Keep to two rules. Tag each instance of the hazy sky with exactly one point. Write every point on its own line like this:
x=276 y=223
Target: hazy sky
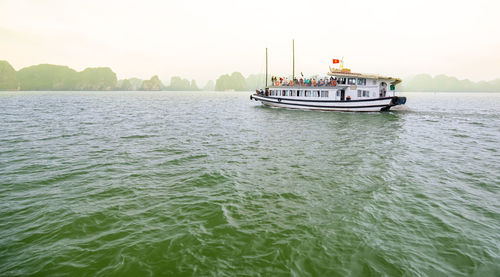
x=203 y=39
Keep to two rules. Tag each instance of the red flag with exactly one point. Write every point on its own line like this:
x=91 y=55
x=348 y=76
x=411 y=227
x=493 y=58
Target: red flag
x=336 y=61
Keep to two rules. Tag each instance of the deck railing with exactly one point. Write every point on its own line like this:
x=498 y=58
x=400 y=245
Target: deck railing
x=307 y=86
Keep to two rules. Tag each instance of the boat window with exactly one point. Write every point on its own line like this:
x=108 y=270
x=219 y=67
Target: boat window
x=283 y=93
x=338 y=93
x=308 y=93
x=362 y=81
x=359 y=93
x=366 y=93
x=299 y=93
x=341 y=81
x=351 y=81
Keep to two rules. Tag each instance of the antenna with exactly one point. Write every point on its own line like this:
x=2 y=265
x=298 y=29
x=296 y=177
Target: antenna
x=266 y=67
x=293 y=56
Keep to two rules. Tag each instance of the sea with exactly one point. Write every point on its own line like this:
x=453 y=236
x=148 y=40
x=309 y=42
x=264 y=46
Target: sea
x=214 y=184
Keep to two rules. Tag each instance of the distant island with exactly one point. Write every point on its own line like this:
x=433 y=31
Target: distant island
x=59 y=77
x=443 y=83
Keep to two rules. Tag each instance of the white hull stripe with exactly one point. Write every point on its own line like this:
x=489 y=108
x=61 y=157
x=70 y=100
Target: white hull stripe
x=323 y=108
x=286 y=102
x=319 y=100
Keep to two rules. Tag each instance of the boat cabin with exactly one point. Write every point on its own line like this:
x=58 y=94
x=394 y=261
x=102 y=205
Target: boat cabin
x=339 y=84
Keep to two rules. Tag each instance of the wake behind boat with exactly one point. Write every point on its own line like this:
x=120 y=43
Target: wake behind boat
x=339 y=90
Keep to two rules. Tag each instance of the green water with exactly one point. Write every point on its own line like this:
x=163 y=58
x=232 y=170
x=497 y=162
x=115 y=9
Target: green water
x=213 y=184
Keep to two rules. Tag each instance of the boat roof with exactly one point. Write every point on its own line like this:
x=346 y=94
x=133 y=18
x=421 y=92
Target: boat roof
x=345 y=72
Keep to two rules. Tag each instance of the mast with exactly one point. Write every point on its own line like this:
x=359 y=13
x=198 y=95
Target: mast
x=266 y=67
x=293 y=57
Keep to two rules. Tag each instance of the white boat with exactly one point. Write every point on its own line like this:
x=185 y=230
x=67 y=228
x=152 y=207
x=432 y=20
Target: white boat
x=339 y=90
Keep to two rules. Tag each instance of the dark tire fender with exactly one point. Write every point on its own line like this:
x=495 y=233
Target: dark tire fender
x=398 y=100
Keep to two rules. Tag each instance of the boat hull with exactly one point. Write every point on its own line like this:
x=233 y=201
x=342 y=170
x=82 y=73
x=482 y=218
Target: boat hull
x=366 y=105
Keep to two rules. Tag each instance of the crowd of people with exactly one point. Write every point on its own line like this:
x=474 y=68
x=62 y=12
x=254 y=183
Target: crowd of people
x=306 y=82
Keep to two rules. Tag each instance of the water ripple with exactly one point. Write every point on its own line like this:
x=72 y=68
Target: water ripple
x=199 y=183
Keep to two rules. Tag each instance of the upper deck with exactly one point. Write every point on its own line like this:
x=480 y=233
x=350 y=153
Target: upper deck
x=337 y=78
x=338 y=84
x=346 y=73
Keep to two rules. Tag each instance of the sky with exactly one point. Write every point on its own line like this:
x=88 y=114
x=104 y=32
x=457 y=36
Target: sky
x=203 y=39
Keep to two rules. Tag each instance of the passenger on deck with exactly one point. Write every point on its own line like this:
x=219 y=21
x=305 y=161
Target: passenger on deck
x=301 y=81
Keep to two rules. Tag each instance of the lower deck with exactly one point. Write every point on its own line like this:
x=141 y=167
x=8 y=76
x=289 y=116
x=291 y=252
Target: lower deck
x=326 y=93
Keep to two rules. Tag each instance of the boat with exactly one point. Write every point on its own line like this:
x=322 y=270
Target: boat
x=337 y=90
